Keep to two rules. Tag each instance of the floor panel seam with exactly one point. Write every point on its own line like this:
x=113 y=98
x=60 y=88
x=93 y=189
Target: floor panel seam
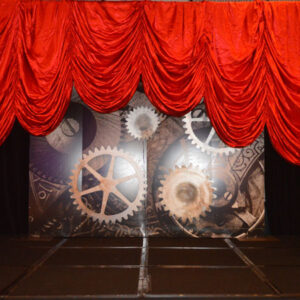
x=254 y=268
x=31 y=269
x=143 y=284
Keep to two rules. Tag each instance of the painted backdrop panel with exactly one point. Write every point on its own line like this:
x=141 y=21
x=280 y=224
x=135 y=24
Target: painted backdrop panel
x=138 y=172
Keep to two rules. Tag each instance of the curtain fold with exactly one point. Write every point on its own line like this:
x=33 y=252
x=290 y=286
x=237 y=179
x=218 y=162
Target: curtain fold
x=243 y=57
x=107 y=52
x=44 y=58
x=235 y=92
x=8 y=65
x=283 y=40
x=173 y=65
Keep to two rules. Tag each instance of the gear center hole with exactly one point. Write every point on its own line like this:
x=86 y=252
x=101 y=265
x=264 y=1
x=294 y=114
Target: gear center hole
x=143 y=122
x=186 y=192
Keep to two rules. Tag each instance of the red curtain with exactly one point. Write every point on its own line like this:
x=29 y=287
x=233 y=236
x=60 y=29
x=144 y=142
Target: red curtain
x=235 y=94
x=282 y=34
x=8 y=65
x=243 y=57
x=106 y=52
x=174 y=54
x=44 y=60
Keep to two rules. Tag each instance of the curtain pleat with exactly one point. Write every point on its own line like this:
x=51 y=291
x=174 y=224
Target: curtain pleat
x=283 y=77
x=107 y=52
x=44 y=58
x=173 y=65
x=235 y=91
x=8 y=65
x=243 y=57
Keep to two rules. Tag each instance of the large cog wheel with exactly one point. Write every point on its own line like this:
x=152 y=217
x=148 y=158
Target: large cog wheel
x=205 y=143
x=108 y=185
x=142 y=122
x=186 y=193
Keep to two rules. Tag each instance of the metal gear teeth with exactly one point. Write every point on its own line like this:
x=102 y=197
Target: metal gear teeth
x=132 y=116
x=201 y=145
x=129 y=211
x=158 y=204
x=163 y=205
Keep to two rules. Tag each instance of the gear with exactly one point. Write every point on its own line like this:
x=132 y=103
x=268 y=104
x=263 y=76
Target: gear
x=121 y=169
x=207 y=142
x=142 y=122
x=186 y=193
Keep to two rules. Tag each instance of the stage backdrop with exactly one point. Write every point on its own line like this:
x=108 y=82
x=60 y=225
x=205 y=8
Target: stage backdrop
x=138 y=172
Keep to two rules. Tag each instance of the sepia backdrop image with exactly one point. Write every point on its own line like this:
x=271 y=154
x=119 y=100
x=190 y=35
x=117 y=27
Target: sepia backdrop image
x=138 y=172
x=197 y=186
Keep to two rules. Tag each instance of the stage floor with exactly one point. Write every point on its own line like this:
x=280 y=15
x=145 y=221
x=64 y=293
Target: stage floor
x=94 y=268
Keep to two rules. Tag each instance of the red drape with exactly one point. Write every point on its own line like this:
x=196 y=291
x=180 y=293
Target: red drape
x=235 y=92
x=107 y=53
x=173 y=64
x=243 y=57
x=8 y=65
x=282 y=35
x=44 y=59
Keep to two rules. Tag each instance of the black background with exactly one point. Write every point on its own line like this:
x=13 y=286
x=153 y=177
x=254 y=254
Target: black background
x=282 y=188
x=14 y=179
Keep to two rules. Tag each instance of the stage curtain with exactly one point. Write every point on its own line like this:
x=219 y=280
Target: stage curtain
x=107 y=52
x=44 y=58
x=243 y=57
x=174 y=52
x=235 y=92
x=8 y=65
x=282 y=36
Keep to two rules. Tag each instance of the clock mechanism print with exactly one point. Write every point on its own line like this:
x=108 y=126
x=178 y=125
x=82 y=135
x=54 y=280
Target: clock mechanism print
x=88 y=177
x=200 y=186
x=138 y=172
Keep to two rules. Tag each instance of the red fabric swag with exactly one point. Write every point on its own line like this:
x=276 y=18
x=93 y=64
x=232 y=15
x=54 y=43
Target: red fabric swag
x=243 y=57
x=8 y=65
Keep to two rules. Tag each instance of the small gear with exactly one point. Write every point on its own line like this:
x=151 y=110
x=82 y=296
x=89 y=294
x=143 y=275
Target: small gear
x=206 y=141
x=142 y=122
x=121 y=169
x=186 y=193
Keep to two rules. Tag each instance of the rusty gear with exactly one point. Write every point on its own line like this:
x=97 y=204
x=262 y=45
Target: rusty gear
x=142 y=122
x=205 y=144
x=186 y=193
x=107 y=185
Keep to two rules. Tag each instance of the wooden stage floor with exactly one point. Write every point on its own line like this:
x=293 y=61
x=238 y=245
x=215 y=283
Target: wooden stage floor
x=96 y=268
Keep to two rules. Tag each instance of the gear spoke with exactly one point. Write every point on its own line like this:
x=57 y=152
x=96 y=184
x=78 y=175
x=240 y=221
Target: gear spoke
x=104 y=202
x=96 y=208
x=97 y=175
x=210 y=136
x=197 y=120
x=111 y=167
x=121 y=196
x=124 y=179
x=94 y=189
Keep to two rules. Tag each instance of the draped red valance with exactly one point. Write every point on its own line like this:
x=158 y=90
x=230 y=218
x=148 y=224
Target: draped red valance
x=243 y=57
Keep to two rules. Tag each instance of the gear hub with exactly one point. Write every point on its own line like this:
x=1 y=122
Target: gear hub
x=108 y=186
x=142 y=122
x=186 y=193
